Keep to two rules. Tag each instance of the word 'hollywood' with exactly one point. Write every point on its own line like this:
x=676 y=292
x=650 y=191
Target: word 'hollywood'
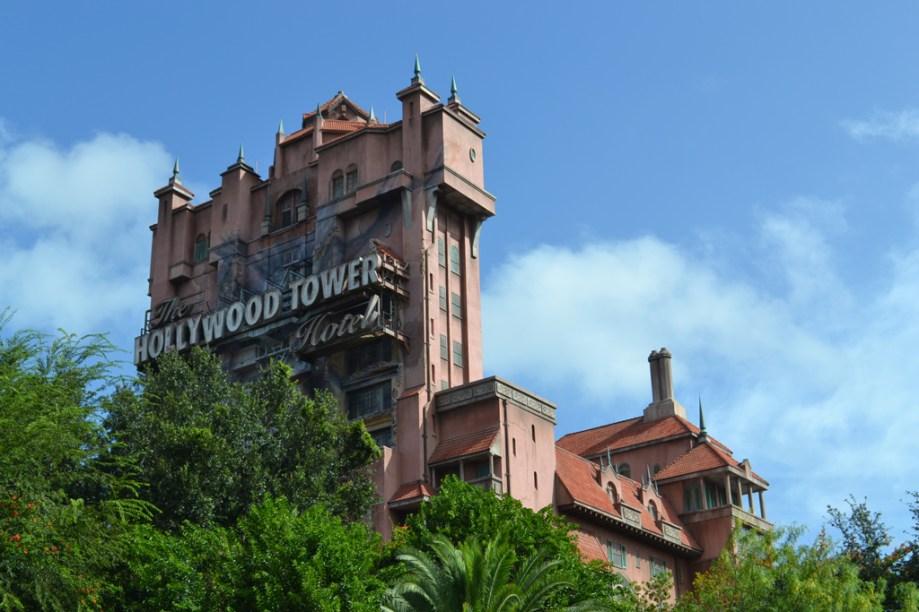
x=304 y=292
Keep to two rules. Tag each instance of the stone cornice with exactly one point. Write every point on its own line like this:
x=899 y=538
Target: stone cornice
x=494 y=387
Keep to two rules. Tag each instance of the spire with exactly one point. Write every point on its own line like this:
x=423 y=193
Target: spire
x=281 y=128
x=241 y=158
x=319 y=115
x=175 y=180
x=417 y=79
x=703 y=434
x=609 y=459
x=453 y=99
x=373 y=117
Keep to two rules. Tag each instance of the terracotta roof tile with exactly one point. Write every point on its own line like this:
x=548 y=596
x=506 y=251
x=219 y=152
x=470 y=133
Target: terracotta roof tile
x=338 y=125
x=631 y=432
x=590 y=547
x=463 y=446
x=411 y=491
x=338 y=98
x=702 y=457
x=579 y=477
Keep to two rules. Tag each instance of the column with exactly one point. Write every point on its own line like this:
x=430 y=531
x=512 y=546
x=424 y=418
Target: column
x=762 y=505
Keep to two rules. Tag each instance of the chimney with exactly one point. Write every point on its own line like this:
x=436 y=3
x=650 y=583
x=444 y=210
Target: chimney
x=662 y=402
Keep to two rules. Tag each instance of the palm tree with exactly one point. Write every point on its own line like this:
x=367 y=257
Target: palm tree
x=468 y=578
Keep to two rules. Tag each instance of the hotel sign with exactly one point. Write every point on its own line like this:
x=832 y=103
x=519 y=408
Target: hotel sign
x=317 y=330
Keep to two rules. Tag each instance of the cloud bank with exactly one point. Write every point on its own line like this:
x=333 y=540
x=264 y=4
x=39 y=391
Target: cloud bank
x=885 y=125
x=74 y=231
x=804 y=373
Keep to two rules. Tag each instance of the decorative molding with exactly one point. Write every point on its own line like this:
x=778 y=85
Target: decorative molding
x=630 y=515
x=493 y=387
x=671 y=532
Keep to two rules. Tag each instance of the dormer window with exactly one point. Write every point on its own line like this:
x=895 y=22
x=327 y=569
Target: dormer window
x=624 y=469
x=611 y=491
x=652 y=510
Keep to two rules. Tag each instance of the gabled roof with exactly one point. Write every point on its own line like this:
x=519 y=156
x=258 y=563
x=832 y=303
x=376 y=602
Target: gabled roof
x=578 y=477
x=631 y=432
x=703 y=457
x=332 y=104
x=464 y=446
x=412 y=492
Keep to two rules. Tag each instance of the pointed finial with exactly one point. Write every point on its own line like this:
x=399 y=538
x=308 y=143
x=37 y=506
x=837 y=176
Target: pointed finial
x=609 y=458
x=281 y=128
x=417 y=79
x=241 y=158
x=318 y=111
x=702 y=432
x=454 y=99
x=175 y=173
x=373 y=116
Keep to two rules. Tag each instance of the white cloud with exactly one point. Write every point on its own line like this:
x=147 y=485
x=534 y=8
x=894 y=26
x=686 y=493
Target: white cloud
x=888 y=125
x=74 y=231
x=807 y=376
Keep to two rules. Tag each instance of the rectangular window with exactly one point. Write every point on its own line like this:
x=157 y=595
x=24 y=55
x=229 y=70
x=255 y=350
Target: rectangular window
x=443 y=298
x=692 y=499
x=368 y=354
x=616 y=554
x=369 y=400
x=202 y=246
x=456 y=305
x=443 y=347
x=338 y=186
x=456 y=265
x=637 y=560
x=443 y=384
x=441 y=253
x=657 y=566
x=457 y=353
x=383 y=437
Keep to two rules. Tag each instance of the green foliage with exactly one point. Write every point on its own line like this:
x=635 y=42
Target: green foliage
x=470 y=577
x=66 y=503
x=275 y=558
x=461 y=512
x=771 y=571
x=210 y=448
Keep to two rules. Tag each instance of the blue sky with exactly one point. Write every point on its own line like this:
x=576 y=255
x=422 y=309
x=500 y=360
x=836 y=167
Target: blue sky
x=736 y=181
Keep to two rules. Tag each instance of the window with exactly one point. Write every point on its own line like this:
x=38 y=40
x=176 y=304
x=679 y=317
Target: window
x=383 y=437
x=396 y=165
x=368 y=354
x=611 y=491
x=652 y=510
x=443 y=299
x=458 y=353
x=533 y=432
x=286 y=208
x=455 y=264
x=441 y=253
x=624 y=469
x=616 y=554
x=456 y=305
x=351 y=179
x=535 y=480
x=657 y=567
x=443 y=384
x=338 y=184
x=692 y=499
x=369 y=400
x=202 y=246
x=715 y=495
x=443 y=347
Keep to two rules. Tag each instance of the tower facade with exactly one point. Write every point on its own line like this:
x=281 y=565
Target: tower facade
x=356 y=261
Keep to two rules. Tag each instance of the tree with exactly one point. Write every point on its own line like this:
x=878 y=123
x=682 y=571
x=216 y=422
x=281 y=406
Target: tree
x=210 y=449
x=274 y=558
x=470 y=577
x=66 y=504
x=461 y=512
x=770 y=571
x=866 y=543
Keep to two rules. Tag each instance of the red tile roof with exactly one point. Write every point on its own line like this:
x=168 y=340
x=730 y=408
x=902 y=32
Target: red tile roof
x=631 y=432
x=412 y=491
x=578 y=476
x=704 y=456
x=340 y=96
x=338 y=125
x=463 y=446
x=590 y=547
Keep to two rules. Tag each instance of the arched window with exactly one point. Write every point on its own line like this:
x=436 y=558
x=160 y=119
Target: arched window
x=624 y=469
x=338 y=184
x=287 y=208
x=202 y=247
x=396 y=165
x=652 y=510
x=611 y=491
x=351 y=179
